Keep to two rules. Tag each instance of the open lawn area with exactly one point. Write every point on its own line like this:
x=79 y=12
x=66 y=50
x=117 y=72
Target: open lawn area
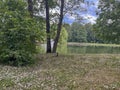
x=92 y=44
x=65 y=72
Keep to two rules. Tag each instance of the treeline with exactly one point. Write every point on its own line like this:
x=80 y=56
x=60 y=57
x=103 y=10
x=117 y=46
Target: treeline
x=82 y=33
x=106 y=29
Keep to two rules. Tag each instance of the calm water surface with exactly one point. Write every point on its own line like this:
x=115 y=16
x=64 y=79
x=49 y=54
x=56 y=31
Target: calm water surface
x=93 y=50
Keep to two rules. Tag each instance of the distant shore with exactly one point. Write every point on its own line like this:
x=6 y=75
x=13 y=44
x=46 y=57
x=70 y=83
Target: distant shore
x=92 y=44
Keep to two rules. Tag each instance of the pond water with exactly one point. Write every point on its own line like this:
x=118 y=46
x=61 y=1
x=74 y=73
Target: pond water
x=93 y=50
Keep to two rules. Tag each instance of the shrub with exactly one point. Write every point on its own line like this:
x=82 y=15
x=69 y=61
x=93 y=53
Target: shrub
x=17 y=33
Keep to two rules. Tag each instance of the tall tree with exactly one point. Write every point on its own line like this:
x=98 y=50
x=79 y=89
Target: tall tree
x=65 y=7
x=48 y=27
x=59 y=27
x=107 y=27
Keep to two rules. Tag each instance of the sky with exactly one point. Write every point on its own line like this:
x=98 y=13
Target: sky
x=89 y=15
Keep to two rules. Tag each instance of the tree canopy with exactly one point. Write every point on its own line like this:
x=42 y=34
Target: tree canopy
x=77 y=33
x=107 y=27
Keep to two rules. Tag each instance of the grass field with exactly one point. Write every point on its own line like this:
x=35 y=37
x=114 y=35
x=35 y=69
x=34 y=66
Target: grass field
x=65 y=72
x=92 y=44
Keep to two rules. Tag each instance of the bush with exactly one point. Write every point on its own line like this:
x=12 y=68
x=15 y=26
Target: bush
x=16 y=58
x=17 y=34
x=62 y=44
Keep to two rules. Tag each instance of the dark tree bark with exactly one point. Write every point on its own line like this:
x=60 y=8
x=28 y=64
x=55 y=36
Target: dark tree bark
x=30 y=7
x=48 y=27
x=58 y=27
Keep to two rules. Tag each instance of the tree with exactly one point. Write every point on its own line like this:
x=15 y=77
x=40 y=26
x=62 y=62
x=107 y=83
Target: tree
x=90 y=33
x=48 y=27
x=108 y=22
x=59 y=27
x=77 y=33
x=42 y=8
x=65 y=7
x=16 y=30
x=62 y=44
x=68 y=6
x=67 y=26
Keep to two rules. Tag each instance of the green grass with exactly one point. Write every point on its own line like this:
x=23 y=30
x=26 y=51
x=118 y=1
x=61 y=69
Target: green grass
x=65 y=72
x=6 y=82
x=92 y=44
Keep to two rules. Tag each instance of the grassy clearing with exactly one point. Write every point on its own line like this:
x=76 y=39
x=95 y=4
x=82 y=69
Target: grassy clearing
x=65 y=72
x=92 y=44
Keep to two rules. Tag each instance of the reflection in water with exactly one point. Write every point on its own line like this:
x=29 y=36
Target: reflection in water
x=93 y=49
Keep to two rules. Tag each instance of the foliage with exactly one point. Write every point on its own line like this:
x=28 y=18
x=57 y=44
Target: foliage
x=87 y=28
x=67 y=26
x=91 y=37
x=16 y=31
x=108 y=22
x=57 y=11
x=62 y=44
x=77 y=33
x=90 y=33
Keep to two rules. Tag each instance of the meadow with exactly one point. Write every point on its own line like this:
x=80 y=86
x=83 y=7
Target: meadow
x=64 y=72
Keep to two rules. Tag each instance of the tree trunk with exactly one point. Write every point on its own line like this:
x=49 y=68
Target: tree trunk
x=59 y=27
x=30 y=7
x=48 y=27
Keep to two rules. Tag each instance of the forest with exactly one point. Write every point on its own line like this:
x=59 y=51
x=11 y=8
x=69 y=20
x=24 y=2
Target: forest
x=40 y=51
